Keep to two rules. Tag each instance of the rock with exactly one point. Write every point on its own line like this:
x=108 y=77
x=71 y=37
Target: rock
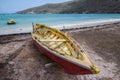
x=11 y=62
x=48 y=65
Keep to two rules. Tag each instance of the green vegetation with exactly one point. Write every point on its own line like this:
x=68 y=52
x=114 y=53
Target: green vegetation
x=78 y=6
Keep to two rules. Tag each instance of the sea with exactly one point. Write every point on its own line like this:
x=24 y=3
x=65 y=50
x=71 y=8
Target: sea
x=60 y=21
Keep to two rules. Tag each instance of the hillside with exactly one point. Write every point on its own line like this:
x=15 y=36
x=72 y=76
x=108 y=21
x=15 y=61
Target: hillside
x=78 y=6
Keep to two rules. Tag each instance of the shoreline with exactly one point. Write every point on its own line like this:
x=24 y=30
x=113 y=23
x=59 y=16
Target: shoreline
x=83 y=25
x=13 y=37
x=88 y=24
x=78 y=25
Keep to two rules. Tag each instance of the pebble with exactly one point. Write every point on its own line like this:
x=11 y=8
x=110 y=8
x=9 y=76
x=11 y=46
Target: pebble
x=11 y=62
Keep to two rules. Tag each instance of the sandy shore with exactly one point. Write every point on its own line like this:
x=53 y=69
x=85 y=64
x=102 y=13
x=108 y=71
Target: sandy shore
x=21 y=60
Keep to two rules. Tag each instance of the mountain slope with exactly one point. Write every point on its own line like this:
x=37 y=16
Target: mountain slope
x=78 y=6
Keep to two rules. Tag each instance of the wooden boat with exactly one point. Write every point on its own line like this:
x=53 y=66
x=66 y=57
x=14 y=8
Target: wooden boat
x=64 y=50
x=11 y=21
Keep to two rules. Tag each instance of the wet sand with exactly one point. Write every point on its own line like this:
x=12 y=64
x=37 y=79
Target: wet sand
x=21 y=60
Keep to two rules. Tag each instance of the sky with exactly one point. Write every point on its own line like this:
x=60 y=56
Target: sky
x=12 y=6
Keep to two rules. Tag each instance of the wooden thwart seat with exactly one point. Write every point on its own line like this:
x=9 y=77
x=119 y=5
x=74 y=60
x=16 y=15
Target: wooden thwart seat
x=52 y=40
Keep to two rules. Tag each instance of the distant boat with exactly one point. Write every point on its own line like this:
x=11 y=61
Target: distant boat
x=11 y=21
x=63 y=49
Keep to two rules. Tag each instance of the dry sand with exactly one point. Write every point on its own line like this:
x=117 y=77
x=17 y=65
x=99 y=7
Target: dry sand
x=21 y=60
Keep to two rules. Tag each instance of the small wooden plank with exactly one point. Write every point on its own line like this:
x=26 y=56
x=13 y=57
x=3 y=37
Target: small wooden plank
x=52 y=40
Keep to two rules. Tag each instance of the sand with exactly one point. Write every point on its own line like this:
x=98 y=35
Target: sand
x=21 y=60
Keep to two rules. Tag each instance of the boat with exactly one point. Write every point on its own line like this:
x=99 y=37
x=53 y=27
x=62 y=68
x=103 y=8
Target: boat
x=64 y=50
x=11 y=21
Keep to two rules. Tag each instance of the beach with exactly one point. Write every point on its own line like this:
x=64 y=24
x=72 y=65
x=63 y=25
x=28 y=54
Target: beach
x=21 y=60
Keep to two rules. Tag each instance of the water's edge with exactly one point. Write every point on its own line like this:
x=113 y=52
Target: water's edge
x=62 y=27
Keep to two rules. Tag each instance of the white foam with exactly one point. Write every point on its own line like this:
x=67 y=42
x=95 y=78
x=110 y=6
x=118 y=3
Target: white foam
x=87 y=24
x=15 y=31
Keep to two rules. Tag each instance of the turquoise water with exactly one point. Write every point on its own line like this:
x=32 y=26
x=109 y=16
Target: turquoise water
x=26 y=20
